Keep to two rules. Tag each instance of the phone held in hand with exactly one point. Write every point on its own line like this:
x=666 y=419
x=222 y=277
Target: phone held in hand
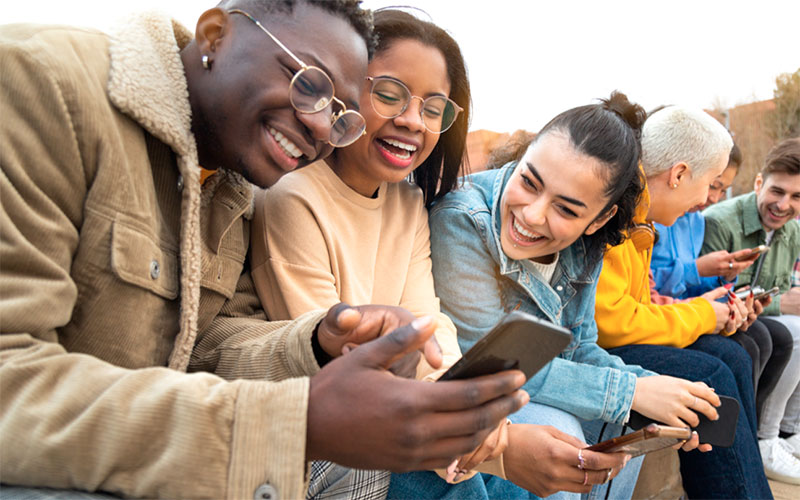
x=753 y=252
x=720 y=432
x=758 y=293
x=520 y=341
x=653 y=437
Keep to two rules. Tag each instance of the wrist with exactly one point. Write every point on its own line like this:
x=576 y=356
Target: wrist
x=320 y=354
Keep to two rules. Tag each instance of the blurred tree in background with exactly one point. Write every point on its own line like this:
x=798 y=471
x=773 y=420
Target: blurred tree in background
x=784 y=120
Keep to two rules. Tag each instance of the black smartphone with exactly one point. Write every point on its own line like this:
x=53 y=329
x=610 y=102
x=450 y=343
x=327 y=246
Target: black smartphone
x=718 y=432
x=652 y=437
x=520 y=341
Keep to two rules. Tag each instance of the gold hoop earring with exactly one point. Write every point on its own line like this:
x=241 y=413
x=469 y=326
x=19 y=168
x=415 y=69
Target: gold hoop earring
x=206 y=62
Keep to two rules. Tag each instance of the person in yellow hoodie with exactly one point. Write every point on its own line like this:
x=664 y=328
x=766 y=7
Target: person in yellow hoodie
x=683 y=151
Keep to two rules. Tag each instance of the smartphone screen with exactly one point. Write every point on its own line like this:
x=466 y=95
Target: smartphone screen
x=520 y=341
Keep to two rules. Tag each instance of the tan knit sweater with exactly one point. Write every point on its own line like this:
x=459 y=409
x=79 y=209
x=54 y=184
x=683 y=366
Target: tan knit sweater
x=333 y=244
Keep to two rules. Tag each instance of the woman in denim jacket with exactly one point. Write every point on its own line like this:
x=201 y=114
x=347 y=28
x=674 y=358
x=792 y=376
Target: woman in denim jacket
x=530 y=236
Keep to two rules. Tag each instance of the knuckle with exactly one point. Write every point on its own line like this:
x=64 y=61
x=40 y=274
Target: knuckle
x=415 y=436
x=471 y=395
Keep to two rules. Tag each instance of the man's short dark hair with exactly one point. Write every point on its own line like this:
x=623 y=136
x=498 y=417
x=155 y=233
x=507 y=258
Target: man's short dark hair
x=350 y=10
x=785 y=158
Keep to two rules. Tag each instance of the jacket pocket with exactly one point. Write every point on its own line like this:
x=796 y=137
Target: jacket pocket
x=137 y=259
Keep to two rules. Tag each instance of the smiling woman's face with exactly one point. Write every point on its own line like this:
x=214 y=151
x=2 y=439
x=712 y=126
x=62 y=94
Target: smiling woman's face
x=394 y=147
x=554 y=196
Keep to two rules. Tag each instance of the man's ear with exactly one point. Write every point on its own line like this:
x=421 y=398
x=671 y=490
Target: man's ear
x=601 y=221
x=677 y=173
x=209 y=31
x=758 y=182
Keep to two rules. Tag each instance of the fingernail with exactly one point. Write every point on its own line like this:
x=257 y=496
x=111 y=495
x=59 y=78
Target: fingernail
x=712 y=389
x=451 y=471
x=728 y=286
x=625 y=462
x=421 y=323
x=523 y=398
x=716 y=416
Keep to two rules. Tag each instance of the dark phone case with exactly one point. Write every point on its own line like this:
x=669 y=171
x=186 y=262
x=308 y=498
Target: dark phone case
x=716 y=433
x=520 y=341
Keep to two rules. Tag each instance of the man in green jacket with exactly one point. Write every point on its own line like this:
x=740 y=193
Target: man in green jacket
x=135 y=357
x=768 y=216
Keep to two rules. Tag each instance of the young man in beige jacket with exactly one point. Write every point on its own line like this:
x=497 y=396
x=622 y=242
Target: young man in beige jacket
x=123 y=268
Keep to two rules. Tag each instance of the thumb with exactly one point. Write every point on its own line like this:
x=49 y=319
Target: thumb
x=341 y=319
x=715 y=293
x=385 y=350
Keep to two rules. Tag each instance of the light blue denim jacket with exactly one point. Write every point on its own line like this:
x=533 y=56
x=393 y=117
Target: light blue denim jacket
x=478 y=284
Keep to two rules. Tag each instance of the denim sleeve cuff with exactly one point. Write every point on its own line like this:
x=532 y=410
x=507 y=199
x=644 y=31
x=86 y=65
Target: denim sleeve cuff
x=620 y=399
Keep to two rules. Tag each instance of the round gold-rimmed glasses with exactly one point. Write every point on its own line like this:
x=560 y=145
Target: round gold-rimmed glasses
x=311 y=91
x=390 y=98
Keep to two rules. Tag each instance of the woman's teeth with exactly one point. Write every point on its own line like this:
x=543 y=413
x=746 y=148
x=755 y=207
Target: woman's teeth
x=288 y=146
x=405 y=150
x=521 y=230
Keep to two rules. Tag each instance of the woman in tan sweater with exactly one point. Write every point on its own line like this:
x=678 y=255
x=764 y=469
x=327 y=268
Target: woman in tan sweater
x=354 y=229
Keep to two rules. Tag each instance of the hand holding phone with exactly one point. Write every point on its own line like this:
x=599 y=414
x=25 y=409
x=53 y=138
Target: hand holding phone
x=720 y=432
x=652 y=437
x=520 y=341
x=752 y=253
x=758 y=293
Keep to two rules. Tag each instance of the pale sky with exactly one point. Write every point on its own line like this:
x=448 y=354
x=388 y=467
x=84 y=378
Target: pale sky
x=528 y=60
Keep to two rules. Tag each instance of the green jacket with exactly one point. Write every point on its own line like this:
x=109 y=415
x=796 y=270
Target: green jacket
x=120 y=274
x=734 y=224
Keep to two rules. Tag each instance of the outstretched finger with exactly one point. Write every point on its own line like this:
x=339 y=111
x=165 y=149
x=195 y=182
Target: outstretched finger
x=385 y=350
x=473 y=418
x=455 y=395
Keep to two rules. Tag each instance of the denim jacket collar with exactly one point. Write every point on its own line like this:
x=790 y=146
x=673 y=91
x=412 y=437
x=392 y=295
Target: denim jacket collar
x=568 y=276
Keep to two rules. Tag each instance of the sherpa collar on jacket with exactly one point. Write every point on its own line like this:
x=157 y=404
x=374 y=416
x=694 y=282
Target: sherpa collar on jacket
x=147 y=83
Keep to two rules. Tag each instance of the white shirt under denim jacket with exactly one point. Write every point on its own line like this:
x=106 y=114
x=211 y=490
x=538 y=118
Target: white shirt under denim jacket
x=478 y=285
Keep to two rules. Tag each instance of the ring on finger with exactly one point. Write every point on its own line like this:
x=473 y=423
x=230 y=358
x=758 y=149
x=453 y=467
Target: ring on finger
x=608 y=475
x=581 y=461
x=585 y=478
x=730 y=265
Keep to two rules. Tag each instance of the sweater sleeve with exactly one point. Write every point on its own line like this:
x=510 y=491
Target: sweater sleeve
x=624 y=319
x=71 y=420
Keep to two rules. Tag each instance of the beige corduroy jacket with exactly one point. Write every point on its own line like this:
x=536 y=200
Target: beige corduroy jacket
x=119 y=273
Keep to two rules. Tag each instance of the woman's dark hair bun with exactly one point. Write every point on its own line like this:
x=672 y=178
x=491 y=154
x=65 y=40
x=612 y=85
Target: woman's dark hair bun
x=633 y=114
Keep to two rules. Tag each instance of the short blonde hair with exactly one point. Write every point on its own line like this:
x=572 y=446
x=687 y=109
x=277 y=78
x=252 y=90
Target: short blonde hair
x=676 y=134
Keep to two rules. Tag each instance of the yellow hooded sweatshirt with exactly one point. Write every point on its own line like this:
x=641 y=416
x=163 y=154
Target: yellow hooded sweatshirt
x=623 y=310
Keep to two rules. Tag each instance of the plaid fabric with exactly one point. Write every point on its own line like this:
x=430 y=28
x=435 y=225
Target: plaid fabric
x=329 y=480
x=24 y=493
